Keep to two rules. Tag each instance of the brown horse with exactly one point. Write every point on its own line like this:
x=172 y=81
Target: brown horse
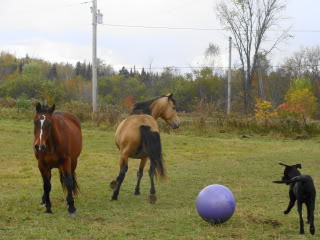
x=57 y=144
x=138 y=137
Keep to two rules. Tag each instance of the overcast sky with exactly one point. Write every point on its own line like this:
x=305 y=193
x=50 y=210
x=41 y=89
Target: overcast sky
x=61 y=31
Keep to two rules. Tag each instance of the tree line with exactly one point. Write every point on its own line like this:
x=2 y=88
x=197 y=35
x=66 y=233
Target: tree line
x=62 y=82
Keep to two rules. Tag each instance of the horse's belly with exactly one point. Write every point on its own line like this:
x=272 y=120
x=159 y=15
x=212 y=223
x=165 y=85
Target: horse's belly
x=138 y=155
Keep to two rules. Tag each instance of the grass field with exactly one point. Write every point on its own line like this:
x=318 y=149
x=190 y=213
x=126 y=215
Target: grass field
x=246 y=166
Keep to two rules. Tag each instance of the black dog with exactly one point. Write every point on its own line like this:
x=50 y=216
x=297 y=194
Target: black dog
x=301 y=189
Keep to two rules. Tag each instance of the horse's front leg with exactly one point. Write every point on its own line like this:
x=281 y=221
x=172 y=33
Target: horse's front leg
x=46 y=177
x=67 y=180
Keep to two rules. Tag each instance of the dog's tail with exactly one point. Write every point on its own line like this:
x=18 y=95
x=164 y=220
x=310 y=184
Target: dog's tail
x=301 y=178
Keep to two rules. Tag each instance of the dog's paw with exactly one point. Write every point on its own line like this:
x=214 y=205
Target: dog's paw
x=286 y=211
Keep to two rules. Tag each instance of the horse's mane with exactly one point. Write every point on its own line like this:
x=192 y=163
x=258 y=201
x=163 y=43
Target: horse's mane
x=44 y=109
x=144 y=107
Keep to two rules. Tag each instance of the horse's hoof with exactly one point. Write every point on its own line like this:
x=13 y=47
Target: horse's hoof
x=312 y=230
x=137 y=193
x=73 y=214
x=48 y=212
x=113 y=184
x=152 y=198
x=113 y=198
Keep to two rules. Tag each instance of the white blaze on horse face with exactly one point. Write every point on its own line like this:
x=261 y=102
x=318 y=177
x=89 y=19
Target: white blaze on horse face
x=42 y=121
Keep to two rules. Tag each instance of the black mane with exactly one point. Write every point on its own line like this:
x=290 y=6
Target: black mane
x=43 y=109
x=144 y=107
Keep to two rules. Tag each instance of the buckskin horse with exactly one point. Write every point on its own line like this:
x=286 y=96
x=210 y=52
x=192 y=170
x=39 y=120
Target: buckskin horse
x=57 y=144
x=138 y=137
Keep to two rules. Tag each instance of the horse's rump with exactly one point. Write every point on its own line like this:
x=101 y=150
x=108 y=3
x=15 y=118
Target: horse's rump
x=128 y=134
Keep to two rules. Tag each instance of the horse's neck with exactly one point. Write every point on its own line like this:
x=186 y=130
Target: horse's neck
x=54 y=136
x=156 y=110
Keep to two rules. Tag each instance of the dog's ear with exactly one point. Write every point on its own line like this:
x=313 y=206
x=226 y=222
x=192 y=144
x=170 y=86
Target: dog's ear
x=298 y=165
x=282 y=164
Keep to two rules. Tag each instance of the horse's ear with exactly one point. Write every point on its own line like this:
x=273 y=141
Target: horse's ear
x=282 y=164
x=51 y=110
x=298 y=165
x=38 y=107
x=169 y=95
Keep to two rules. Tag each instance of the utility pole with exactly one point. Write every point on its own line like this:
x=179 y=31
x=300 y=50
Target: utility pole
x=260 y=80
x=96 y=19
x=229 y=78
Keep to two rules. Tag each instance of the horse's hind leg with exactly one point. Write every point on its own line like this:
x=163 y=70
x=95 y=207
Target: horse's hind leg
x=117 y=183
x=152 y=197
x=140 y=174
x=46 y=177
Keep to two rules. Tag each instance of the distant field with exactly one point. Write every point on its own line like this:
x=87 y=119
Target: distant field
x=246 y=166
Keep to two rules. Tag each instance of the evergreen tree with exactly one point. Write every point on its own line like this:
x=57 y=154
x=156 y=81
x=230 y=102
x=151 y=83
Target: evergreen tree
x=78 y=68
x=88 y=73
x=124 y=72
x=53 y=74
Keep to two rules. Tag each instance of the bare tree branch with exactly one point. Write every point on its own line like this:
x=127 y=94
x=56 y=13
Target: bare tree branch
x=249 y=21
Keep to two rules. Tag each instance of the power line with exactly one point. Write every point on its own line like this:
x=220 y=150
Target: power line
x=164 y=27
x=203 y=29
x=217 y=68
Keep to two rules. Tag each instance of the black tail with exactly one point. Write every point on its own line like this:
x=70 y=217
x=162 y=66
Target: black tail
x=75 y=189
x=152 y=146
x=302 y=178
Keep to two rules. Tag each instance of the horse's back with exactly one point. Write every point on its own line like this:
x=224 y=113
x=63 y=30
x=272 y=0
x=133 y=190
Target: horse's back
x=128 y=132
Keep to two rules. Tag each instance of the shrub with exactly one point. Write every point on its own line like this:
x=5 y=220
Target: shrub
x=303 y=100
x=7 y=102
x=286 y=111
x=264 y=111
x=81 y=110
x=23 y=103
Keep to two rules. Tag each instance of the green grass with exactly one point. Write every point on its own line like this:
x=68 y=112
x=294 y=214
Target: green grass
x=247 y=166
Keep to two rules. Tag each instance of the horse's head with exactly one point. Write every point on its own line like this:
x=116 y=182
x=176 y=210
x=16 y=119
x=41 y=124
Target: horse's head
x=42 y=126
x=166 y=106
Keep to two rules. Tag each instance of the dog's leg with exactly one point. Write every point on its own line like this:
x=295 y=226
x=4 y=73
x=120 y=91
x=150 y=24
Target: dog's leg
x=291 y=202
x=310 y=209
x=300 y=217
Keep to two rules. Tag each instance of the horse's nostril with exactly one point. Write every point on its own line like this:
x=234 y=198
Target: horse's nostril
x=40 y=148
x=175 y=125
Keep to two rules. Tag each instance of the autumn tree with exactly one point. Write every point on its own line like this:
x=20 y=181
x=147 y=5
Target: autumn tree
x=301 y=96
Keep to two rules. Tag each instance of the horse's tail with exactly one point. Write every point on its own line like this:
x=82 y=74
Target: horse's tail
x=75 y=186
x=152 y=146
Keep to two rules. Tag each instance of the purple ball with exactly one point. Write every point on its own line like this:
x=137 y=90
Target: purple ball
x=216 y=203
